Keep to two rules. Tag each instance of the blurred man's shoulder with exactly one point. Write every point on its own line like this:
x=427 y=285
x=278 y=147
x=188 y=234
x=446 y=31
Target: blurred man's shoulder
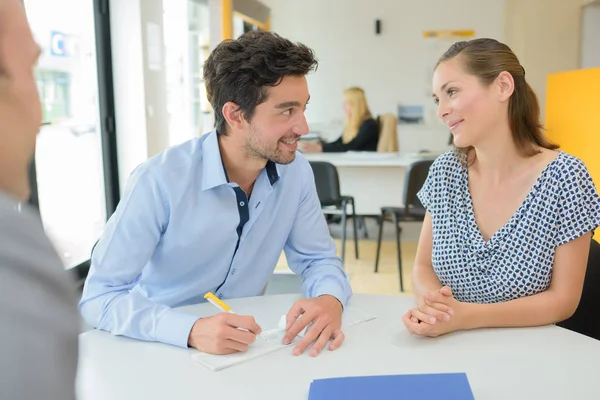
x=38 y=309
x=24 y=244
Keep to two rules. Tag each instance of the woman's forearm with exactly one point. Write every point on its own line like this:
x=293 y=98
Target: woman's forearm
x=424 y=279
x=541 y=309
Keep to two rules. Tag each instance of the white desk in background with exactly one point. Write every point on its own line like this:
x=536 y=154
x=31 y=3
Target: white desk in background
x=374 y=179
x=526 y=363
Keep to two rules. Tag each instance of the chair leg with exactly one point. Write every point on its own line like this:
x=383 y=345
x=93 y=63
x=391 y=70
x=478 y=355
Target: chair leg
x=343 y=223
x=354 y=222
x=380 y=222
x=398 y=252
x=362 y=226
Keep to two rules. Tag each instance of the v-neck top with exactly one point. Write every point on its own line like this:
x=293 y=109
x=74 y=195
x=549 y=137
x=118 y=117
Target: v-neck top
x=518 y=259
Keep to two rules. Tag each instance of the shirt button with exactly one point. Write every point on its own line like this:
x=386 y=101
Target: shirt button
x=242 y=203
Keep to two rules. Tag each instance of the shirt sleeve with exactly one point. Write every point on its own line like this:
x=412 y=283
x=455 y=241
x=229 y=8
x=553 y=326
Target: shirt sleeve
x=310 y=250
x=579 y=204
x=337 y=146
x=432 y=183
x=126 y=246
x=367 y=133
x=424 y=194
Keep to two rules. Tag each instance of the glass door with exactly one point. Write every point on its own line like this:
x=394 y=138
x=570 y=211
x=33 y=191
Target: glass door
x=69 y=155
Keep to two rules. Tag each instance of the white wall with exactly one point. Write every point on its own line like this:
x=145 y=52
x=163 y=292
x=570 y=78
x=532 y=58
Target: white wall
x=545 y=35
x=389 y=66
x=216 y=21
x=590 y=36
x=155 y=77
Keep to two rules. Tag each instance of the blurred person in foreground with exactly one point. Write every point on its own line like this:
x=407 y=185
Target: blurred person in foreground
x=38 y=314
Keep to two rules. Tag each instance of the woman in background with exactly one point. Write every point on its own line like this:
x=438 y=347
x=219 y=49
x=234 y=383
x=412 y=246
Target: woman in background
x=361 y=132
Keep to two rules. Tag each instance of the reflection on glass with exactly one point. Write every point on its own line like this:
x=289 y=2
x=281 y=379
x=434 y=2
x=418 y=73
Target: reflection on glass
x=69 y=153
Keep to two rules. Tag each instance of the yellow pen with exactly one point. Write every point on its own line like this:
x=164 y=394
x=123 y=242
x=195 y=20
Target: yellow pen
x=221 y=305
x=217 y=302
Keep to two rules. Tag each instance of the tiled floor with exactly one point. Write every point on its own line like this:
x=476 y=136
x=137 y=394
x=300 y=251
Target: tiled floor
x=362 y=276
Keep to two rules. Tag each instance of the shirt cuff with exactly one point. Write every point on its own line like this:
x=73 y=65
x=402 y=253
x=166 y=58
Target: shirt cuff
x=342 y=292
x=174 y=328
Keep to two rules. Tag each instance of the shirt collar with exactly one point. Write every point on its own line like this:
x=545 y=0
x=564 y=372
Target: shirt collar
x=213 y=173
x=213 y=170
x=272 y=172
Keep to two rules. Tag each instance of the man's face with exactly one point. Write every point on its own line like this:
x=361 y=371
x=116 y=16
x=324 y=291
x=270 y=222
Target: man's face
x=277 y=124
x=20 y=108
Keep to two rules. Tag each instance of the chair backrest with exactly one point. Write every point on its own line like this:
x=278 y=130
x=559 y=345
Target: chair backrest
x=414 y=178
x=388 y=133
x=327 y=182
x=585 y=320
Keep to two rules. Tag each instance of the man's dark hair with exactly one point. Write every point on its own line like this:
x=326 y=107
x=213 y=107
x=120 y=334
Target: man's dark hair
x=242 y=70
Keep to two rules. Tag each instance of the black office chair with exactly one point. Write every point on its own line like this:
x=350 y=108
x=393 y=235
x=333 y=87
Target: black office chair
x=585 y=320
x=413 y=210
x=332 y=202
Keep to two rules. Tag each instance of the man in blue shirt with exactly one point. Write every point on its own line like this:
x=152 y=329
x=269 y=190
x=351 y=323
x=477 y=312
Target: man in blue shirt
x=214 y=214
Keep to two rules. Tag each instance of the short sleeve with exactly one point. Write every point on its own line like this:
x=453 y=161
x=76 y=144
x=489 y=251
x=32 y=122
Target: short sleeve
x=579 y=209
x=440 y=177
x=424 y=194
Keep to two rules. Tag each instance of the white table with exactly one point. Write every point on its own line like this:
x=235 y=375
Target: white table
x=375 y=180
x=528 y=363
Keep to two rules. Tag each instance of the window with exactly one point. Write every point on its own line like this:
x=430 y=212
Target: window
x=69 y=161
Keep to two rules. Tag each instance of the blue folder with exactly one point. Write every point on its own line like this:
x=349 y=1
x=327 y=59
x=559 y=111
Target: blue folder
x=453 y=386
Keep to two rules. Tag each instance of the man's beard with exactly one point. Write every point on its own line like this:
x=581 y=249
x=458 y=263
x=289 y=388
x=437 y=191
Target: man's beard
x=255 y=148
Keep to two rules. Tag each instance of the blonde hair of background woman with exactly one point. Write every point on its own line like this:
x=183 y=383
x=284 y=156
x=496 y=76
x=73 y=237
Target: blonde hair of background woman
x=359 y=111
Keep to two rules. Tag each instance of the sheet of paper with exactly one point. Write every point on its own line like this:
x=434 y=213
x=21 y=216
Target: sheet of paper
x=267 y=342
x=270 y=341
x=154 y=44
x=354 y=316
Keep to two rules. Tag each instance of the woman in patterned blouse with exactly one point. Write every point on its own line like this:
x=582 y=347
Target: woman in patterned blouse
x=509 y=218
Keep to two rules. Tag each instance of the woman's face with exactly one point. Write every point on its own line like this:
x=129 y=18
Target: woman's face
x=470 y=109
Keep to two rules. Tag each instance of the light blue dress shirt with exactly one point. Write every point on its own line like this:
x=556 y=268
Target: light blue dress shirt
x=182 y=230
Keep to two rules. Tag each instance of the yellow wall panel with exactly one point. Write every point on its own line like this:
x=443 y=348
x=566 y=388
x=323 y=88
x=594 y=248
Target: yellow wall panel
x=573 y=116
x=227 y=19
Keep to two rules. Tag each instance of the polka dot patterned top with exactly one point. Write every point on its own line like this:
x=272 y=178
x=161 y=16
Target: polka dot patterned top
x=517 y=261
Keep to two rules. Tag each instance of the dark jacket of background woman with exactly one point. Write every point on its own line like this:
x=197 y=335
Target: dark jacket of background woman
x=365 y=140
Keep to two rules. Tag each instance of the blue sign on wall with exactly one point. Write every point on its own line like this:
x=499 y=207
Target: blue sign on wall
x=58 y=45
